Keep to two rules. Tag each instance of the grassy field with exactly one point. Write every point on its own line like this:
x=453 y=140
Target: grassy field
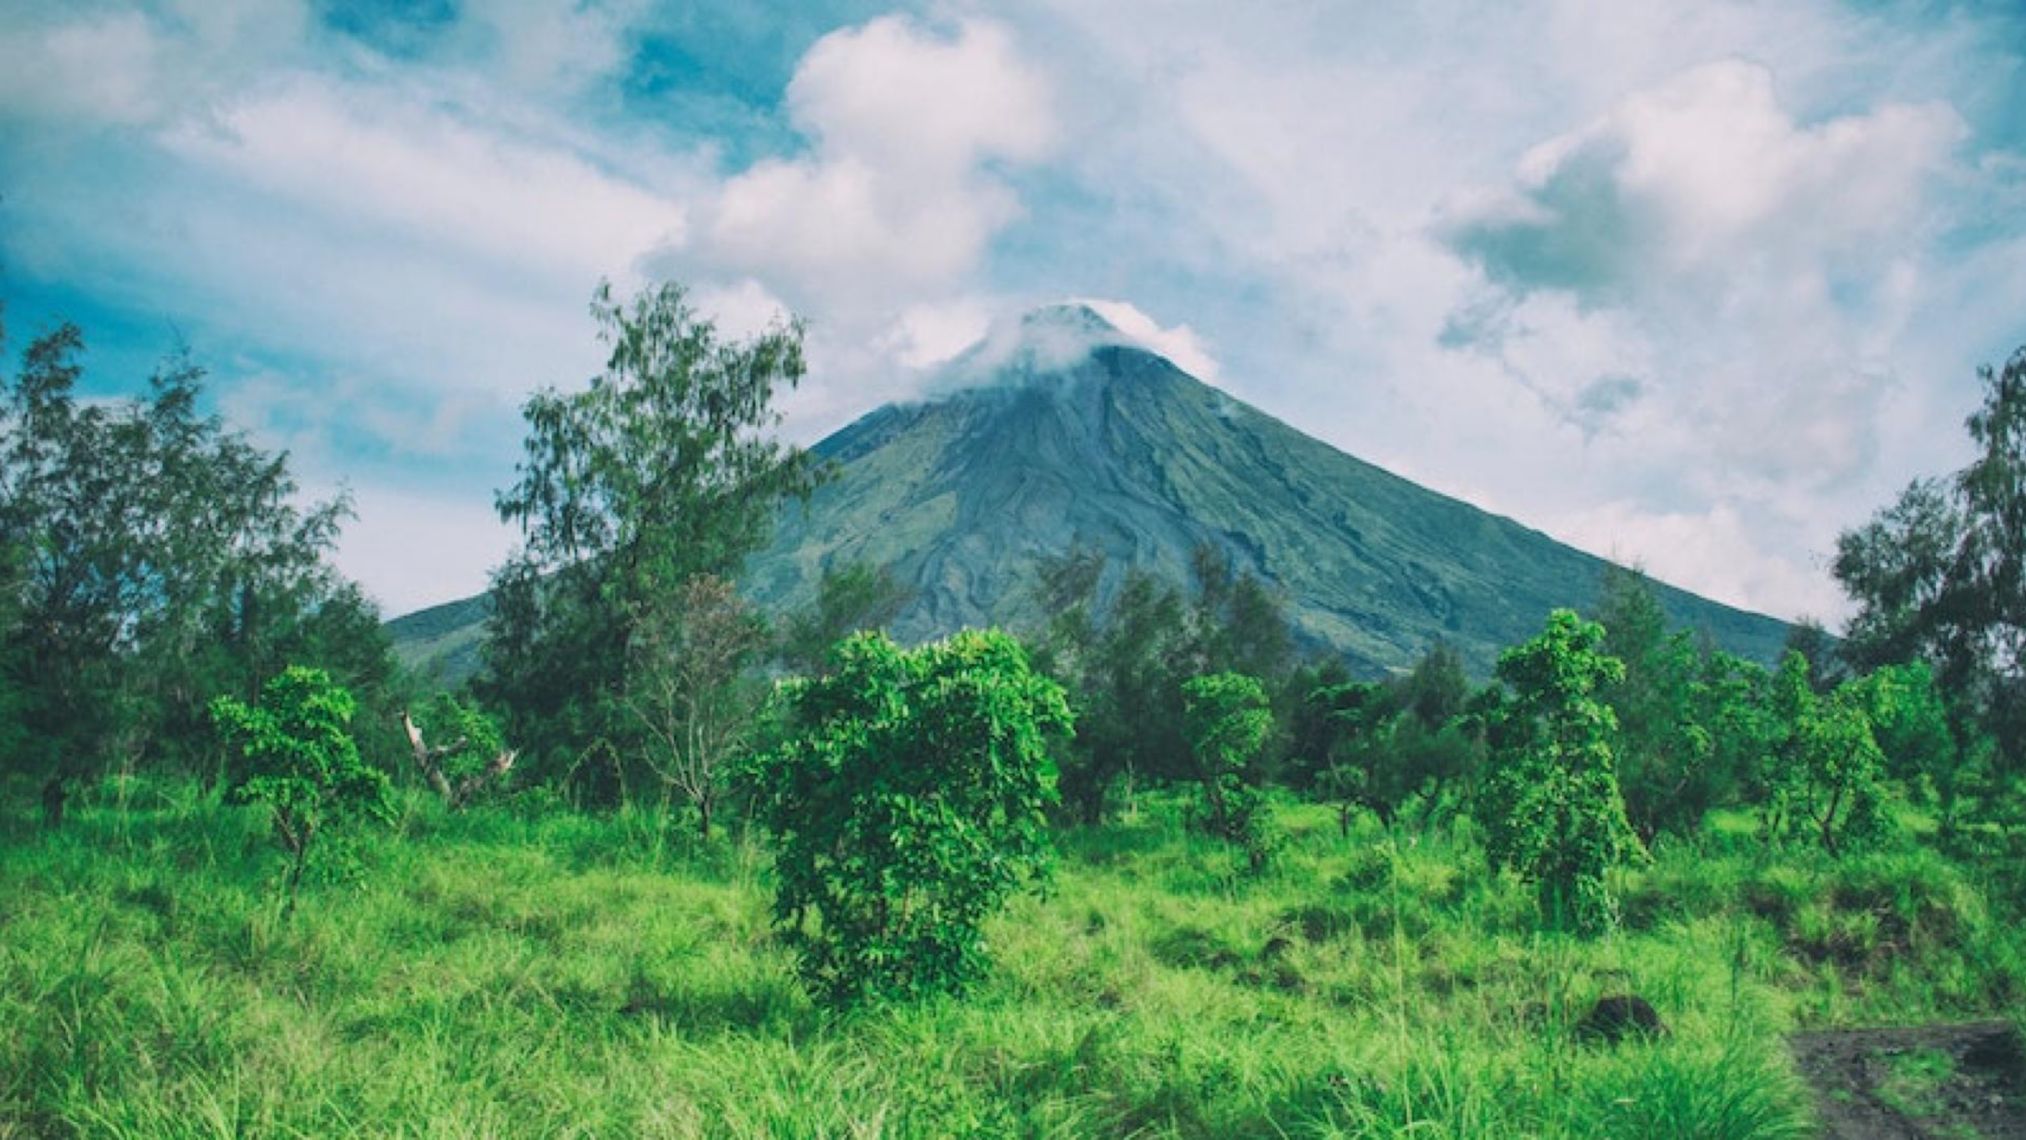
x=494 y=974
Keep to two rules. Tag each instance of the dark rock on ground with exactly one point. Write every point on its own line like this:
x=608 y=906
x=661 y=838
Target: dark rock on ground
x=1618 y=1016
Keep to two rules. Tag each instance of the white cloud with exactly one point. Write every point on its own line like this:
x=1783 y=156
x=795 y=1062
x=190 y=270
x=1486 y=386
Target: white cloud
x=340 y=151
x=1179 y=344
x=741 y=310
x=1716 y=550
x=928 y=334
x=412 y=549
x=897 y=198
x=1706 y=179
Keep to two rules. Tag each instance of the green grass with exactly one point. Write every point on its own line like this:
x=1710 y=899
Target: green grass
x=566 y=975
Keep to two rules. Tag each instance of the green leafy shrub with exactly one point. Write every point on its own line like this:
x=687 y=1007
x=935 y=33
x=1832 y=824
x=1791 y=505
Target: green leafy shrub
x=1226 y=718
x=1550 y=806
x=295 y=754
x=1825 y=774
x=907 y=804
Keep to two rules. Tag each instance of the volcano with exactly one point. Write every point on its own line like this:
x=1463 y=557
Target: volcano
x=1063 y=433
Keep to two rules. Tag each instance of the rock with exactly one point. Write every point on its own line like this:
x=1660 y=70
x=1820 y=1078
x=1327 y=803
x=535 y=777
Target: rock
x=1618 y=1016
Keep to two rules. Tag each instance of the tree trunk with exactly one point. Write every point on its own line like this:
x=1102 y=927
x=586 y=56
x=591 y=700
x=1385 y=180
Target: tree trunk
x=53 y=796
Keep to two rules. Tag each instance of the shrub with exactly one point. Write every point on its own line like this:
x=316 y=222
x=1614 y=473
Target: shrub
x=1226 y=718
x=907 y=803
x=1550 y=806
x=295 y=754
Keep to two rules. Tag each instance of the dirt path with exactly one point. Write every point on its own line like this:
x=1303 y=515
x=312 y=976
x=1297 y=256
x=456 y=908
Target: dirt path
x=1946 y=1081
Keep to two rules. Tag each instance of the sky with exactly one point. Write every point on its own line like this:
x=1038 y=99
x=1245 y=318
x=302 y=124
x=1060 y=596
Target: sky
x=1692 y=284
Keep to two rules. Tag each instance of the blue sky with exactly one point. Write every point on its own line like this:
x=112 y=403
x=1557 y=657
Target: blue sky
x=1689 y=283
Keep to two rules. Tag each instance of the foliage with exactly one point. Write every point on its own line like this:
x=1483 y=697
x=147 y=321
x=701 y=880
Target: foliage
x=1940 y=575
x=1666 y=757
x=849 y=599
x=295 y=755
x=1550 y=805
x=1123 y=666
x=1227 y=721
x=471 y=754
x=690 y=689
x=907 y=805
x=1825 y=769
x=658 y=472
x=550 y=973
x=1125 y=655
x=1239 y=623
x=1437 y=688
x=1910 y=723
x=153 y=558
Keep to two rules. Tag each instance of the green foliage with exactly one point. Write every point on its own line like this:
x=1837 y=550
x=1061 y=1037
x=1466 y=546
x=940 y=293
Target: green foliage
x=1940 y=575
x=1437 y=688
x=907 y=805
x=1668 y=765
x=1125 y=658
x=849 y=599
x=1123 y=666
x=152 y=558
x=658 y=472
x=1826 y=768
x=294 y=754
x=523 y=972
x=1227 y=721
x=1910 y=722
x=690 y=689
x=1550 y=805
x=470 y=756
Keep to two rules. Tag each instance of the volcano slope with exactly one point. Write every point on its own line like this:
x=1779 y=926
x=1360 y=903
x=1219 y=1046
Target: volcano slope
x=1076 y=438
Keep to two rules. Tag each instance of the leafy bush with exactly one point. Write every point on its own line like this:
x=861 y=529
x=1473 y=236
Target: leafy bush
x=1226 y=719
x=295 y=754
x=1550 y=806
x=1824 y=774
x=907 y=804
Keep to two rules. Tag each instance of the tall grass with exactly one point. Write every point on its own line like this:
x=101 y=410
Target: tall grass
x=500 y=974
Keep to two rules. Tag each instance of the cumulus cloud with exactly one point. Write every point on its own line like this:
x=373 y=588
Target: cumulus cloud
x=91 y=67
x=1707 y=175
x=343 y=151
x=899 y=193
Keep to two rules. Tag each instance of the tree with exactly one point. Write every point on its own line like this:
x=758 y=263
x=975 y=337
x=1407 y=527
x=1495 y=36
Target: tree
x=1123 y=666
x=907 y=804
x=1437 y=688
x=154 y=558
x=1550 y=805
x=1825 y=663
x=296 y=757
x=1940 y=575
x=1239 y=623
x=472 y=757
x=1910 y=724
x=689 y=688
x=660 y=471
x=1226 y=719
x=1826 y=765
x=1664 y=755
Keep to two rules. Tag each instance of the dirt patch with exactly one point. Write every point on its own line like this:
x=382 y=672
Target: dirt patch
x=1942 y=1081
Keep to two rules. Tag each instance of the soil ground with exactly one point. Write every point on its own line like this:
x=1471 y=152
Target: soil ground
x=1944 y=1081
